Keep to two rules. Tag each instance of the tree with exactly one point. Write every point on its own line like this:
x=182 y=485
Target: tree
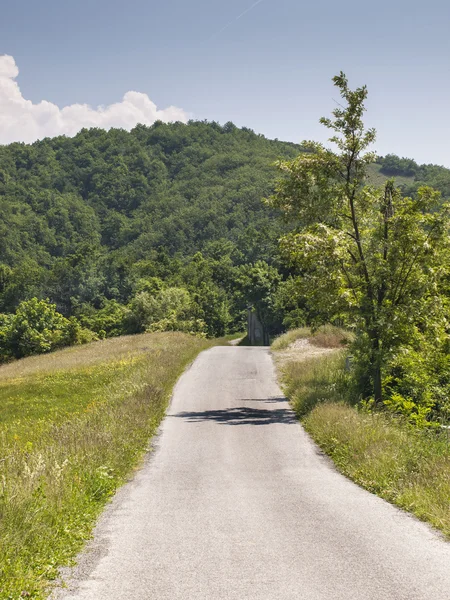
x=257 y=285
x=369 y=254
x=35 y=328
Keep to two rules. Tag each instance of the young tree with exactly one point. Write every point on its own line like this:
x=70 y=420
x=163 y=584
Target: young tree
x=369 y=254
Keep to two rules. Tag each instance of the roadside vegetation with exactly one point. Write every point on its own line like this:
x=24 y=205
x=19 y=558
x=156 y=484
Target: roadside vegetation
x=372 y=259
x=73 y=424
x=384 y=453
x=374 y=255
x=325 y=336
x=407 y=466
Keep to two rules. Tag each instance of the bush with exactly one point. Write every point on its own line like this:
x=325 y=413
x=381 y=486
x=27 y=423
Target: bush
x=5 y=326
x=110 y=320
x=36 y=328
x=170 y=309
x=417 y=384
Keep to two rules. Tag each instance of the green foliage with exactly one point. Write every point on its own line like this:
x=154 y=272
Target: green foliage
x=418 y=383
x=369 y=257
x=171 y=309
x=289 y=301
x=257 y=286
x=393 y=165
x=5 y=328
x=91 y=221
x=412 y=176
x=36 y=328
x=108 y=321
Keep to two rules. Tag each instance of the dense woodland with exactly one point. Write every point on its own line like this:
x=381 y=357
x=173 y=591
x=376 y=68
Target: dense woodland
x=161 y=228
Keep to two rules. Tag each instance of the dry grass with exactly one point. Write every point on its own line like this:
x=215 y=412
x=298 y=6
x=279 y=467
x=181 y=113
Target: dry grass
x=286 y=339
x=80 y=356
x=73 y=425
x=406 y=466
x=329 y=336
x=326 y=336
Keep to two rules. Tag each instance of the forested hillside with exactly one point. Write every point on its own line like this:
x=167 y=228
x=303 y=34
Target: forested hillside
x=410 y=176
x=98 y=219
x=159 y=228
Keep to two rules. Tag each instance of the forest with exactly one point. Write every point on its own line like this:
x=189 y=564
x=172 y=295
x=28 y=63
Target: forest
x=170 y=227
x=114 y=232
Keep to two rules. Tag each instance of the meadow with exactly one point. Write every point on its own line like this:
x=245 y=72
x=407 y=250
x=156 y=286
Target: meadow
x=73 y=426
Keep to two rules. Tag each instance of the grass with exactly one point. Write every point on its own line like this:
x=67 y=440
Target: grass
x=408 y=467
x=73 y=425
x=376 y=178
x=404 y=465
x=314 y=380
x=326 y=336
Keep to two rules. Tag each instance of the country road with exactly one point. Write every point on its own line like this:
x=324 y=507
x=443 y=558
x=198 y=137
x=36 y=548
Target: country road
x=236 y=503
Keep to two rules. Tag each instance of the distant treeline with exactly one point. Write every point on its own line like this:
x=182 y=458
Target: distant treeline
x=159 y=227
x=433 y=175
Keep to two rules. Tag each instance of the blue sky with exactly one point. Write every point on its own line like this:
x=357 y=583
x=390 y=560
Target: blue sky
x=269 y=70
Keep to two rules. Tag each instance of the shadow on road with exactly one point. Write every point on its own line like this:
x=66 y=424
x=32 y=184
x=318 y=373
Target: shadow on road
x=241 y=415
x=266 y=400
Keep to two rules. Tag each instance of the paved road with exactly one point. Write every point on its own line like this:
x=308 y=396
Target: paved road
x=236 y=503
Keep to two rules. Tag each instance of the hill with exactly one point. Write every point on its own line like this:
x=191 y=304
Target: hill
x=79 y=215
x=169 y=214
x=409 y=175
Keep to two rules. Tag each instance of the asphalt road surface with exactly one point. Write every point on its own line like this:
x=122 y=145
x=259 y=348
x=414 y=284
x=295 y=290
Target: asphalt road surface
x=236 y=503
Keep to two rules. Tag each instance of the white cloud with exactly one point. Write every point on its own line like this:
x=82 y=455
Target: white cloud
x=23 y=121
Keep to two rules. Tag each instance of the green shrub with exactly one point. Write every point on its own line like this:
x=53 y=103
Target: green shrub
x=110 y=320
x=417 y=384
x=36 y=328
x=5 y=326
x=170 y=309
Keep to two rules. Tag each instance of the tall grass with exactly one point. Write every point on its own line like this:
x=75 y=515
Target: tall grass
x=314 y=380
x=72 y=426
x=405 y=465
x=326 y=336
x=409 y=467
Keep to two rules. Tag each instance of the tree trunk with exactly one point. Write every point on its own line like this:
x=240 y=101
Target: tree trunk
x=376 y=368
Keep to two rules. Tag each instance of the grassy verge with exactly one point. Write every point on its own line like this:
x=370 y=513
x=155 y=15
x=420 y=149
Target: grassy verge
x=73 y=424
x=404 y=465
x=326 y=336
x=314 y=380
